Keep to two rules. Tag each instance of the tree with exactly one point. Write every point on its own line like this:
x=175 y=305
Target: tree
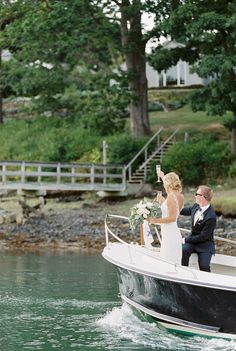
x=134 y=38
x=10 y=12
x=5 y=19
x=133 y=44
x=1 y=108
x=53 y=37
x=56 y=49
x=207 y=30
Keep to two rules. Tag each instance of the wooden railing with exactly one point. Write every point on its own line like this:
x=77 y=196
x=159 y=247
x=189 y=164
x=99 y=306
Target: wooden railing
x=143 y=154
x=61 y=176
x=79 y=176
x=155 y=146
x=160 y=149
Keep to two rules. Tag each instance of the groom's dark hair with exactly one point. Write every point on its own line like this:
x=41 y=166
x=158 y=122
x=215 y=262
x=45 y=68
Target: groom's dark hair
x=206 y=192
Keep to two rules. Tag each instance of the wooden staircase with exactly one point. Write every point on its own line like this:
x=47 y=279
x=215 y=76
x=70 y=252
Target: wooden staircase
x=154 y=150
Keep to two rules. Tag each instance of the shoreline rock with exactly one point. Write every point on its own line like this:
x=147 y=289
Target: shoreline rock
x=81 y=229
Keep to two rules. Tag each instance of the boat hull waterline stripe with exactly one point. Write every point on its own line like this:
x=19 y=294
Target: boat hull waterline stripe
x=176 y=325
x=168 y=318
x=185 y=303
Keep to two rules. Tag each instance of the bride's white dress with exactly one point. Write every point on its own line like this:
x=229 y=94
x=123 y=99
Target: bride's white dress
x=171 y=239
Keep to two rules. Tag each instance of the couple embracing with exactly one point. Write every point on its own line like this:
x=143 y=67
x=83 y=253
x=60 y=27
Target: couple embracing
x=203 y=222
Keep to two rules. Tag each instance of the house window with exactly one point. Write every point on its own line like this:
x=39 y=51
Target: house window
x=171 y=76
x=181 y=73
x=161 y=80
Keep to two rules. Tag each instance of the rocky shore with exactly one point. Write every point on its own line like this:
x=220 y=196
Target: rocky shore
x=79 y=225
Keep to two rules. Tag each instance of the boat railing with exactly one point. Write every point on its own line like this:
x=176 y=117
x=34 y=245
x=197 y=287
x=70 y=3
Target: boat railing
x=138 y=248
x=107 y=229
x=215 y=237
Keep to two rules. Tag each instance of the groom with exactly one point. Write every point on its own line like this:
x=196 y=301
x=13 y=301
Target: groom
x=203 y=219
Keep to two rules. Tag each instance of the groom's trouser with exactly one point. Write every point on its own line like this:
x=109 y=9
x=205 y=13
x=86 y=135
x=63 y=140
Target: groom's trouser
x=204 y=258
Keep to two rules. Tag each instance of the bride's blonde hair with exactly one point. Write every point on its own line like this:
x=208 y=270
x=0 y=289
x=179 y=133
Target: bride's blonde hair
x=171 y=181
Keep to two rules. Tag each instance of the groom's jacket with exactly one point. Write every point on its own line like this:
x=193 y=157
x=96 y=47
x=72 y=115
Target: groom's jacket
x=202 y=232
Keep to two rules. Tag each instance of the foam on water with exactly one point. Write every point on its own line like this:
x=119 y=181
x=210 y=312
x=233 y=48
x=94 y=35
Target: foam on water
x=124 y=324
x=10 y=300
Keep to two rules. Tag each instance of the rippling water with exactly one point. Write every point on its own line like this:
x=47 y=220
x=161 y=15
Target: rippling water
x=70 y=302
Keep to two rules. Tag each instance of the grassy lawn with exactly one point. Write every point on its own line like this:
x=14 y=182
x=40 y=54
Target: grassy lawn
x=188 y=121
x=184 y=118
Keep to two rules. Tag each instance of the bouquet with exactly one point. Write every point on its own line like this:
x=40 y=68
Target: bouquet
x=144 y=209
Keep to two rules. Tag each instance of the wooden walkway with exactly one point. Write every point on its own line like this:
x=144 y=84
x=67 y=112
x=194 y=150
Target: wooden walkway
x=43 y=177
x=61 y=176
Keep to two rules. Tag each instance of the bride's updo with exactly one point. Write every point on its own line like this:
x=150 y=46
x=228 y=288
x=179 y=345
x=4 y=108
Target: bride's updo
x=172 y=182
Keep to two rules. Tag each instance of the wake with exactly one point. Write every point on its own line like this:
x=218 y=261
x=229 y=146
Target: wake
x=123 y=324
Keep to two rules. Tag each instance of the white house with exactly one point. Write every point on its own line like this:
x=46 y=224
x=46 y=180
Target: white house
x=175 y=76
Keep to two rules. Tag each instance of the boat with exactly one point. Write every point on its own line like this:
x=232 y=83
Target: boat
x=180 y=299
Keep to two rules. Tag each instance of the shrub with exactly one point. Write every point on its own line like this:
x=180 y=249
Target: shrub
x=122 y=148
x=46 y=139
x=175 y=105
x=232 y=171
x=200 y=161
x=154 y=106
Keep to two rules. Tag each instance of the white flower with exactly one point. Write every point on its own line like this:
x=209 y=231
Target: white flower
x=144 y=209
x=149 y=204
x=201 y=217
x=141 y=205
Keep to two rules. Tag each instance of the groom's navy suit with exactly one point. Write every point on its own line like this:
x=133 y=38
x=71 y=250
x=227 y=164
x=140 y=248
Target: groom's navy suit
x=201 y=238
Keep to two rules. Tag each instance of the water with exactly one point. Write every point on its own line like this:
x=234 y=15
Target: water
x=70 y=302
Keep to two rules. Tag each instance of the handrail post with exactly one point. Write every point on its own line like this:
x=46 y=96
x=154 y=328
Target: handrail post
x=4 y=168
x=23 y=172
x=58 y=173
x=72 y=176
x=39 y=176
x=104 y=175
x=107 y=236
x=130 y=172
x=145 y=173
x=145 y=154
x=92 y=174
x=104 y=160
x=124 y=177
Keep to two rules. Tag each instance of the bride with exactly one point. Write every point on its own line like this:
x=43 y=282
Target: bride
x=171 y=243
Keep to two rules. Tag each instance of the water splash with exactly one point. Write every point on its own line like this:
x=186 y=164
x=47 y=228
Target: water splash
x=123 y=324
